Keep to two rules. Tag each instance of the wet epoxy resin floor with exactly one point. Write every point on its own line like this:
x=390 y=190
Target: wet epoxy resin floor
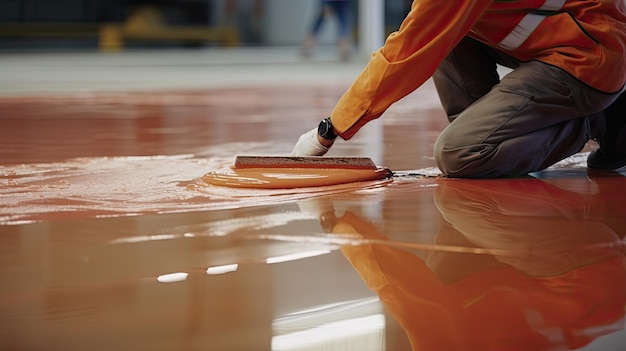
x=111 y=240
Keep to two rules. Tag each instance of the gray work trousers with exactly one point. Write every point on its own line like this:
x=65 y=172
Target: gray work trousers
x=530 y=119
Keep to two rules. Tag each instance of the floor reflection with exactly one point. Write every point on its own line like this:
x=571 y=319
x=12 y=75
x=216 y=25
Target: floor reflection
x=113 y=241
x=557 y=282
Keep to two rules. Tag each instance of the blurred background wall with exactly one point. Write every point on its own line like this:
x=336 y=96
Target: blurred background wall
x=110 y=25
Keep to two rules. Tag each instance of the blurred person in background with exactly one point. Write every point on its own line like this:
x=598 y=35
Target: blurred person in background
x=565 y=88
x=343 y=11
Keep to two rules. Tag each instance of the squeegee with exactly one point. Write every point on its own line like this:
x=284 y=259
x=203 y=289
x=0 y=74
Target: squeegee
x=242 y=162
x=288 y=172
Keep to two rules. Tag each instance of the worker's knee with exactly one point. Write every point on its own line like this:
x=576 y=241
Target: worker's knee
x=447 y=157
x=445 y=161
x=462 y=161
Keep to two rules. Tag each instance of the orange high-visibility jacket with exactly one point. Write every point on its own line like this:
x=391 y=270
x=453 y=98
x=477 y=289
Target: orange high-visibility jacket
x=586 y=38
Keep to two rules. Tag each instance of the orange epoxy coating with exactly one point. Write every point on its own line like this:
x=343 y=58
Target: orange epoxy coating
x=289 y=178
x=111 y=239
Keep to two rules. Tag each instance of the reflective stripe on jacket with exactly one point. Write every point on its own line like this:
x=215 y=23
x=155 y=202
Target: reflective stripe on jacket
x=586 y=38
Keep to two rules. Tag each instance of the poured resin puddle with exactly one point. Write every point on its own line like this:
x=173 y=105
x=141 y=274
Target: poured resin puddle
x=289 y=172
x=289 y=178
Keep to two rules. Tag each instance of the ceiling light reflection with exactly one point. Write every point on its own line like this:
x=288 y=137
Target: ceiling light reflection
x=172 y=277
x=222 y=269
x=364 y=330
x=296 y=256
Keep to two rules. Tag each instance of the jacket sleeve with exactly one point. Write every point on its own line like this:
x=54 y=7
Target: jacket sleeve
x=409 y=57
x=407 y=288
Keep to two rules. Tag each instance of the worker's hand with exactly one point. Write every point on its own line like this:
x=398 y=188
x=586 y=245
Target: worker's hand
x=309 y=145
x=322 y=209
x=315 y=207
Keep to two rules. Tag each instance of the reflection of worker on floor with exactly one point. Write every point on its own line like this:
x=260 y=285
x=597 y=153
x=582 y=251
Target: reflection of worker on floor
x=342 y=10
x=564 y=288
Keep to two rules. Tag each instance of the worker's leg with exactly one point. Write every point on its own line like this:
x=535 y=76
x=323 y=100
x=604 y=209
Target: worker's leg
x=467 y=73
x=536 y=116
x=612 y=151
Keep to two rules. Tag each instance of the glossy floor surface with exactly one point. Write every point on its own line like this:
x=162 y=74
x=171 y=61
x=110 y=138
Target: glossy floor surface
x=110 y=238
